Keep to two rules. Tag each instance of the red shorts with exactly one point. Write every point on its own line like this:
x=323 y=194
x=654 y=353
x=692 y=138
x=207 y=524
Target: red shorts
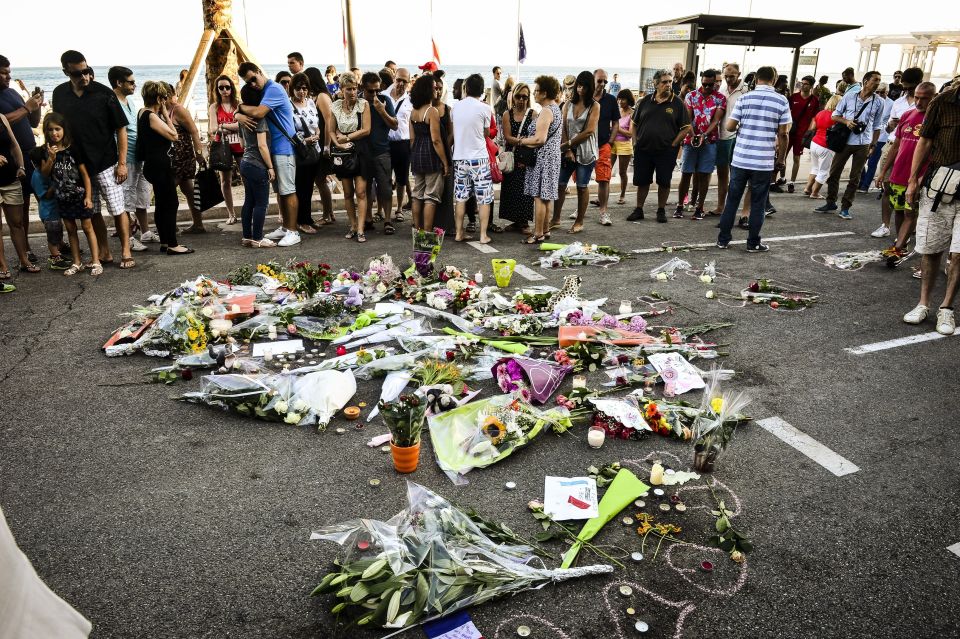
x=604 y=168
x=796 y=144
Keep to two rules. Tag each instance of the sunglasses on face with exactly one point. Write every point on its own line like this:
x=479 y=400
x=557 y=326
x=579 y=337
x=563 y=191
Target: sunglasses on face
x=301 y=88
x=251 y=81
x=132 y=83
x=522 y=96
x=601 y=81
x=223 y=87
x=82 y=72
x=285 y=82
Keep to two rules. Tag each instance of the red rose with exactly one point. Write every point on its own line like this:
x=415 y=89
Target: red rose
x=186 y=374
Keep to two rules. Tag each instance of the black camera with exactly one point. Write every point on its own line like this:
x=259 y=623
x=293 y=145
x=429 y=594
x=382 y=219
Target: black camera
x=858 y=127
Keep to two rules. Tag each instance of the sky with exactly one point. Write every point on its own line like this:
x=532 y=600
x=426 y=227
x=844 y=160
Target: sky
x=482 y=33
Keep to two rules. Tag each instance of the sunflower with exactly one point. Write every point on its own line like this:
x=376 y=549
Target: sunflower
x=494 y=429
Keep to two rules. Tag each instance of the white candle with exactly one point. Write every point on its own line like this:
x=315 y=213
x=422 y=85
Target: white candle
x=272 y=331
x=656 y=475
x=579 y=381
x=478 y=278
x=625 y=307
x=596 y=436
x=268 y=356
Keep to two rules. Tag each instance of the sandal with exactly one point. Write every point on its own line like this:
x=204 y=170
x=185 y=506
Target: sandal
x=471 y=227
x=231 y=220
x=29 y=268
x=352 y=235
x=398 y=218
x=532 y=239
x=4 y=275
x=307 y=228
x=96 y=269
x=622 y=201
x=127 y=262
x=388 y=229
x=185 y=251
x=494 y=228
x=74 y=269
x=361 y=238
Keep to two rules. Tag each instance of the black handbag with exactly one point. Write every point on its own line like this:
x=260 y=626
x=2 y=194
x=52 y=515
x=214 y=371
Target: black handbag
x=344 y=161
x=207 y=192
x=303 y=154
x=221 y=157
x=839 y=134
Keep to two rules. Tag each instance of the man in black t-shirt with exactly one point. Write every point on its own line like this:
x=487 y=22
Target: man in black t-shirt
x=99 y=129
x=660 y=122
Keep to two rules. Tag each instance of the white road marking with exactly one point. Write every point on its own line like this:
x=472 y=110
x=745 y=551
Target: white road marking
x=955 y=549
x=483 y=248
x=895 y=343
x=786 y=238
x=528 y=273
x=807 y=445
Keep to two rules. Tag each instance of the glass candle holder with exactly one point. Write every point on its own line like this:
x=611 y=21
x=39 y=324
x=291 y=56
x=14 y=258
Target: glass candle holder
x=626 y=306
x=596 y=436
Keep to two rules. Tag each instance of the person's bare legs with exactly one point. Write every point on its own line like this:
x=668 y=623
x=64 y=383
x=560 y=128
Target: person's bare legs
x=429 y=211
x=642 y=192
x=100 y=230
x=288 y=209
x=624 y=164
x=603 y=195
x=326 y=197
x=905 y=227
x=226 y=185
x=91 y=234
x=683 y=187
x=122 y=222
x=14 y=215
x=583 y=199
x=484 y=210
x=71 y=227
x=953 y=279
x=808 y=187
x=541 y=211
x=3 y=256
x=930 y=266
x=795 y=169
x=460 y=209
x=360 y=188
x=663 y=194
x=815 y=189
x=703 y=183
x=346 y=184
x=416 y=212
x=558 y=205
x=186 y=187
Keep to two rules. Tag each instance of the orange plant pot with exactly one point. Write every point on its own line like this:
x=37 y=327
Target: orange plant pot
x=405 y=458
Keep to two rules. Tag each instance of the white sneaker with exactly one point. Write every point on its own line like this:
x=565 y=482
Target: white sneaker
x=572 y=216
x=918 y=314
x=264 y=243
x=946 y=324
x=605 y=219
x=149 y=236
x=291 y=238
x=136 y=245
x=882 y=231
x=277 y=234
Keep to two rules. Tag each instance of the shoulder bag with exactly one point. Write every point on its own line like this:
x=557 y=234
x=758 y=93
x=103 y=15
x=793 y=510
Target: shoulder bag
x=221 y=157
x=506 y=160
x=304 y=154
x=346 y=161
x=839 y=133
x=527 y=156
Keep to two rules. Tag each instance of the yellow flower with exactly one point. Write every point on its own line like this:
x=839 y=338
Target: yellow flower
x=644 y=528
x=716 y=404
x=192 y=334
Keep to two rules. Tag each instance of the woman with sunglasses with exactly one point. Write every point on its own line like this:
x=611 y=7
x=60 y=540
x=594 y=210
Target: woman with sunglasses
x=349 y=129
x=516 y=207
x=221 y=124
x=306 y=120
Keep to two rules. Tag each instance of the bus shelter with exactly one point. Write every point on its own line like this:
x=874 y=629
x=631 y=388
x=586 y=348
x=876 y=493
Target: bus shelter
x=671 y=41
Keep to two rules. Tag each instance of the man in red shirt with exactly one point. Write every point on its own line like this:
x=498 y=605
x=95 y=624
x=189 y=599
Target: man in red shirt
x=898 y=162
x=804 y=105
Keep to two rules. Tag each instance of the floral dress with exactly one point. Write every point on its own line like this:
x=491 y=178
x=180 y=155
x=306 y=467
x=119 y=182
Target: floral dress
x=515 y=205
x=543 y=179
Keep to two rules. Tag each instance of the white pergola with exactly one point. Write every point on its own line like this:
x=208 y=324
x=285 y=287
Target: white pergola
x=917 y=49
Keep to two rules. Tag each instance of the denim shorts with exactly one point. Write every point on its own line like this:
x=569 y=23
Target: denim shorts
x=583 y=172
x=702 y=159
x=286 y=170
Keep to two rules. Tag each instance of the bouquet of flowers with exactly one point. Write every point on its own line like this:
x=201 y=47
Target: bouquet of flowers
x=523 y=324
x=404 y=417
x=620 y=418
x=669 y=419
x=312 y=398
x=307 y=279
x=533 y=379
x=764 y=291
x=427 y=561
x=580 y=254
x=720 y=414
x=426 y=249
x=484 y=432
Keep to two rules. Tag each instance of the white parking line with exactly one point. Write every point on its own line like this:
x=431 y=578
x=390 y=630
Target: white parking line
x=528 y=273
x=483 y=248
x=955 y=549
x=895 y=343
x=785 y=238
x=807 y=445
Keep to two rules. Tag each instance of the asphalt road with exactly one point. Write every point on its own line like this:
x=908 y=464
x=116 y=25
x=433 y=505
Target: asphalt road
x=156 y=518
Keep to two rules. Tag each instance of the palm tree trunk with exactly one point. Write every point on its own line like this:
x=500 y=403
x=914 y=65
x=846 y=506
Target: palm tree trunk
x=222 y=58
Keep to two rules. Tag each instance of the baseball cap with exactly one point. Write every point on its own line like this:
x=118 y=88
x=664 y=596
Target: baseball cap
x=429 y=66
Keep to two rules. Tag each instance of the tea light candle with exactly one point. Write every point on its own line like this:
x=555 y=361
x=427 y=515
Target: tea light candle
x=272 y=331
x=579 y=381
x=268 y=355
x=235 y=308
x=596 y=436
x=626 y=307
x=478 y=278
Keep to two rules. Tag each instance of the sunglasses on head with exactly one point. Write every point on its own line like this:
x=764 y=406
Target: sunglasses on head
x=81 y=73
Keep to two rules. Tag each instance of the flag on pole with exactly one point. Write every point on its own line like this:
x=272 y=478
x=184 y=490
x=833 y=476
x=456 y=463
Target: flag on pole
x=436 y=51
x=522 y=47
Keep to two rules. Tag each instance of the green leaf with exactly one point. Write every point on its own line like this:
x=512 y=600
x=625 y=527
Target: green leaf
x=745 y=545
x=722 y=525
x=374 y=569
x=359 y=592
x=394 y=607
x=727 y=545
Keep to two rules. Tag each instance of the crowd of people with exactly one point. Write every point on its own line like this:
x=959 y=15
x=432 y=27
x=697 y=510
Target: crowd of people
x=384 y=137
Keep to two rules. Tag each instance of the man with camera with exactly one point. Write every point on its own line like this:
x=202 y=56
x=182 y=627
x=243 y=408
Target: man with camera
x=862 y=113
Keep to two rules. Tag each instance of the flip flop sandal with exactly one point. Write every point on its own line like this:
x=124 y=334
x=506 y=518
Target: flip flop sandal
x=29 y=268
x=496 y=229
x=352 y=235
x=398 y=218
x=361 y=238
x=127 y=262
x=4 y=275
x=96 y=269
x=388 y=229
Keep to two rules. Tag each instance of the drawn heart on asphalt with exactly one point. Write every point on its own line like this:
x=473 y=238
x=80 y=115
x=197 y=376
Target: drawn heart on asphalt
x=726 y=578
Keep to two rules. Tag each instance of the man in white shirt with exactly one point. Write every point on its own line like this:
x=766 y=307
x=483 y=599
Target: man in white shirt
x=733 y=87
x=496 y=89
x=400 y=137
x=471 y=128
